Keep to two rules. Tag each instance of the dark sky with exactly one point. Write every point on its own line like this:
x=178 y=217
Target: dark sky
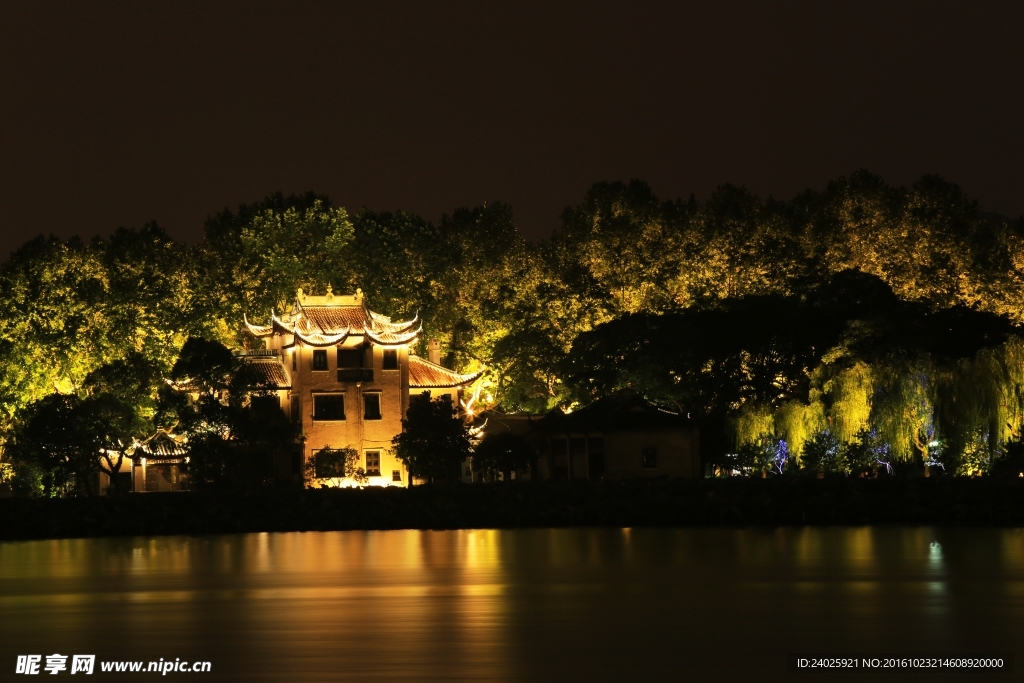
x=119 y=113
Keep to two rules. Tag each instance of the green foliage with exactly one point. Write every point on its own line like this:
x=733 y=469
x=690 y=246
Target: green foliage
x=254 y=260
x=233 y=423
x=761 y=456
x=335 y=465
x=434 y=439
x=753 y=425
x=61 y=440
x=861 y=308
x=796 y=422
x=825 y=453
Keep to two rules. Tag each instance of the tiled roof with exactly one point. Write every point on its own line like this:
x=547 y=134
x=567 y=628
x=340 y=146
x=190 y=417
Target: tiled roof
x=160 y=445
x=272 y=372
x=426 y=375
x=334 y=319
x=619 y=412
x=258 y=330
x=314 y=339
x=392 y=338
x=328 y=320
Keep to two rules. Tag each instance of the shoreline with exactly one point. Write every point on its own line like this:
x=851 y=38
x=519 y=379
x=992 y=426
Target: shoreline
x=777 y=502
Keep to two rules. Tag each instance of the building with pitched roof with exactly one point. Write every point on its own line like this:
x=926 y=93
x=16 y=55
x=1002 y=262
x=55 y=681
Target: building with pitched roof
x=617 y=437
x=345 y=374
x=158 y=464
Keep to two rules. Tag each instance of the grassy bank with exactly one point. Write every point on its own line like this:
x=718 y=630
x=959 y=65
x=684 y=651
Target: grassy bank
x=731 y=502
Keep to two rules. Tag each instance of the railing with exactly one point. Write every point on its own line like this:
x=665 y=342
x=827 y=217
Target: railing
x=257 y=353
x=355 y=375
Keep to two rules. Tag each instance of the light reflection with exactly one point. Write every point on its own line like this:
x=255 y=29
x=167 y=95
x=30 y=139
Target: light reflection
x=379 y=604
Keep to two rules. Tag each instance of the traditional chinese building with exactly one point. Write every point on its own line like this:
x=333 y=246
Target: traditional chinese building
x=158 y=464
x=345 y=374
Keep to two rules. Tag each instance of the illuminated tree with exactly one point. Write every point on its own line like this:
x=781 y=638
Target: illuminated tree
x=335 y=465
x=54 y=332
x=256 y=259
x=434 y=439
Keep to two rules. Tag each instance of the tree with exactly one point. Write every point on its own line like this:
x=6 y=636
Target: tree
x=503 y=453
x=61 y=440
x=234 y=423
x=54 y=331
x=49 y=450
x=256 y=258
x=434 y=439
x=335 y=465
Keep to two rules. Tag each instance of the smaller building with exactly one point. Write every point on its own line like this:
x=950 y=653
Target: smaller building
x=614 y=438
x=158 y=464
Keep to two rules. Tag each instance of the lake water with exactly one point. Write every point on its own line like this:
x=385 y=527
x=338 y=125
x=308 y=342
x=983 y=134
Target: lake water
x=516 y=605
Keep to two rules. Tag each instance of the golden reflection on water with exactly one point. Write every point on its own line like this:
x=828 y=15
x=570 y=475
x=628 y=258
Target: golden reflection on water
x=498 y=605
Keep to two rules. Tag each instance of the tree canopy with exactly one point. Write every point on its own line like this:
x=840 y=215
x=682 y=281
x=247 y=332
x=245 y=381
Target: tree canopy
x=862 y=308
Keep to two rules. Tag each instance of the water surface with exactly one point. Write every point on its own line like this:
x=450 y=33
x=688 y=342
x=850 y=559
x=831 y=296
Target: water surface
x=513 y=605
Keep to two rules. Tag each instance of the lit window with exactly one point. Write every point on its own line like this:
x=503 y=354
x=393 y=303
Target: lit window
x=649 y=458
x=372 y=404
x=320 y=360
x=396 y=475
x=329 y=407
x=373 y=463
x=390 y=359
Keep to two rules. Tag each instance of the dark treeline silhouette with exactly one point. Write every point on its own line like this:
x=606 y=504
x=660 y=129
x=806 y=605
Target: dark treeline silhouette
x=852 y=328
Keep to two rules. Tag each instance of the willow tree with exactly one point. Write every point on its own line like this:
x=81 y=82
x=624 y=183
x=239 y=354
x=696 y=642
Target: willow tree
x=903 y=407
x=797 y=423
x=979 y=405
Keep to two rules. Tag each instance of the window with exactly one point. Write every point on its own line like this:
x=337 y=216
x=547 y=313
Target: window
x=373 y=463
x=372 y=404
x=319 y=359
x=295 y=356
x=350 y=358
x=396 y=475
x=649 y=458
x=296 y=407
x=328 y=406
x=390 y=359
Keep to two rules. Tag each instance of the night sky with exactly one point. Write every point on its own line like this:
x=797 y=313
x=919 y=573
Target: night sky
x=116 y=114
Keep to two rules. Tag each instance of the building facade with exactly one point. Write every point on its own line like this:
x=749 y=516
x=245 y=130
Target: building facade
x=345 y=374
x=617 y=437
